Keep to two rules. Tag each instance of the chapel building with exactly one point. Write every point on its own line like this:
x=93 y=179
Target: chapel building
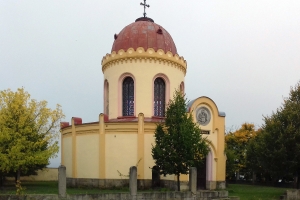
x=141 y=73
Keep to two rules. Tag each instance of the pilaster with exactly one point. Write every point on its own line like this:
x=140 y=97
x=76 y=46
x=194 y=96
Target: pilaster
x=74 y=156
x=101 y=146
x=140 y=150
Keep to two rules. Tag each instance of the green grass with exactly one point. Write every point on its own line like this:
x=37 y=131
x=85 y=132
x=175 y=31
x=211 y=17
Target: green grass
x=51 y=187
x=254 y=192
x=245 y=192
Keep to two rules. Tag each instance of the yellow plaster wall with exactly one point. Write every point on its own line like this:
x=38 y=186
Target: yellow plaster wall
x=46 y=174
x=168 y=177
x=121 y=147
x=148 y=160
x=143 y=71
x=67 y=157
x=121 y=154
x=221 y=167
x=87 y=152
x=216 y=136
x=212 y=137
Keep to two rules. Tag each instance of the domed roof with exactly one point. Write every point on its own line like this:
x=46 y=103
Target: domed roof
x=144 y=33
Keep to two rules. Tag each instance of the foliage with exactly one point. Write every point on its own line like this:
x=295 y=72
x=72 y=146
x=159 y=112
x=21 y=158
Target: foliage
x=236 y=149
x=20 y=189
x=277 y=149
x=178 y=142
x=28 y=130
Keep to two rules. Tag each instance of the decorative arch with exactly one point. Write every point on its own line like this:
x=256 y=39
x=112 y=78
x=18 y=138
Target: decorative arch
x=207 y=173
x=210 y=163
x=127 y=95
x=106 y=97
x=160 y=94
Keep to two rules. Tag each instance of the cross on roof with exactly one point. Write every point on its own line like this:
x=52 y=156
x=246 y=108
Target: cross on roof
x=145 y=5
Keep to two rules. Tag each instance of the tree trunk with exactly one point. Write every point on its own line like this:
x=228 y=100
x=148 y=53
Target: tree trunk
x=253 y=178
x=18 y=174
x=1 y=179
x=298 y=183
x=16 y=177
x=178 y=182
x=237 y=175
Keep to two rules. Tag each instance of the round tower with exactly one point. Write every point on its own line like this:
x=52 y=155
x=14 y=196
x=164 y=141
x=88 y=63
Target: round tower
x=142 y=71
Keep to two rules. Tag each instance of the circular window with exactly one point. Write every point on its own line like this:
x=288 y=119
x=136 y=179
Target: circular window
x=203 y=116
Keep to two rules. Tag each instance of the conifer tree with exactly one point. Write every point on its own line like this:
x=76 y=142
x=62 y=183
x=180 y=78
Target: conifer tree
x=179 y=144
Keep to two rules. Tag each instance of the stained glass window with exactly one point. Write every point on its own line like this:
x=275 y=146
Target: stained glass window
x=159 y=97
x=128 y=97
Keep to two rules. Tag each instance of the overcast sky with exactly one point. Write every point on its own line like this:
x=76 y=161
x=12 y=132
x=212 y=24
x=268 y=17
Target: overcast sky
x=244 y=54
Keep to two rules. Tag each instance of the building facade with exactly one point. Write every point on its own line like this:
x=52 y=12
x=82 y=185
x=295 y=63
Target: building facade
x=140 y=76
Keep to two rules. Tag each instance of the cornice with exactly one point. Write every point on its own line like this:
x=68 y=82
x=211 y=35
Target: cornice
x=140 y=55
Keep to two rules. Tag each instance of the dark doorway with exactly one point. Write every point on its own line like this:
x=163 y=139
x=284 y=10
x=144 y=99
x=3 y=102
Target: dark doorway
x=201 y=176
x=155 y=177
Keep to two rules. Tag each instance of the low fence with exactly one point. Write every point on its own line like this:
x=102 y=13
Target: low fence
x=46 y=174
x=200 y=195
x=192 y=194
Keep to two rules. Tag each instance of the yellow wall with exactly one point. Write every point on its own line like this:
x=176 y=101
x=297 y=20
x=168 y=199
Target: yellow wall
x=121 y=154
x=67 y=157
x=87 y=155
x=46 y=174
x=125 y=143
x=148 y=160
x=216 y=136
x=101 y=150
x=143 y=70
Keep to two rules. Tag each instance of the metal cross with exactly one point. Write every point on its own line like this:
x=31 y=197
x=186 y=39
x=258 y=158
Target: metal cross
x=145 y=5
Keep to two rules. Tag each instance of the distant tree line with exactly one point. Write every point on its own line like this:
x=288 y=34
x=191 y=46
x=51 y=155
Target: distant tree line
x=272 y=152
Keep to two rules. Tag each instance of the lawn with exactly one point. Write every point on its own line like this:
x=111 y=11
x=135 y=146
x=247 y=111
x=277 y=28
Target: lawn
x=51 y=187
x=245 y=192
x=254 y=192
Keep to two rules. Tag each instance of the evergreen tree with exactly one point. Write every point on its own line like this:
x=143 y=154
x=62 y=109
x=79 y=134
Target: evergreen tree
x=178 y=142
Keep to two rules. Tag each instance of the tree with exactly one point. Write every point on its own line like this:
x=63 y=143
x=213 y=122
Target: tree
x=28 y=130
x=278 y=146
x=236 y=149
x=178 y=142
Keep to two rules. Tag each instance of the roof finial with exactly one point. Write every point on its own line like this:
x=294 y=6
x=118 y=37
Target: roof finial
x=145 y=5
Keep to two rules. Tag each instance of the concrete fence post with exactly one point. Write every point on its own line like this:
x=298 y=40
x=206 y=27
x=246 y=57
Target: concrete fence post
x=193 y=180
x=62 y=181
x=133 y=181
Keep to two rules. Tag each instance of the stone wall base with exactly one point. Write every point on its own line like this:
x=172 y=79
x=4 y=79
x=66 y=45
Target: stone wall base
x=141 y=184
x=212 y=185
x=106 y=183
x=123 y=183
x=200 y=195
x=184 y=185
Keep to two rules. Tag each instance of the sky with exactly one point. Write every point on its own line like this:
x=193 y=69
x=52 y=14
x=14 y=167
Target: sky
x=243 y=54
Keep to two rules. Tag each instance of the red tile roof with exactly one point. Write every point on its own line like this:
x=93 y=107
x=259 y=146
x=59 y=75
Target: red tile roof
x=144 y=33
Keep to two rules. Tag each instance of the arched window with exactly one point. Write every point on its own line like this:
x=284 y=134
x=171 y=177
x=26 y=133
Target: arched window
x=159 y=97
x=128 y=97
x=182 y=87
